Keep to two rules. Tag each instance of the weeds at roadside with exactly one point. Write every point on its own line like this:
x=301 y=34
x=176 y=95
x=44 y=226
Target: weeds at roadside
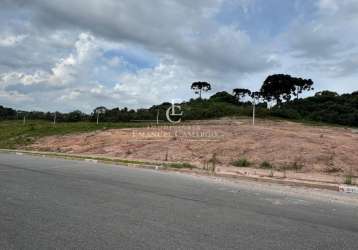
x=210 y=165
x=348 y=180
x=296 y=166
x=332 y=170
x=266 y=165
x=271 y=173
x=241 y=163
x=213 y=162
x=180 y=165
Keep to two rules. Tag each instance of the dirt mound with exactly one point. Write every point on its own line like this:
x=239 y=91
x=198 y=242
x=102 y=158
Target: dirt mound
x=283 y=144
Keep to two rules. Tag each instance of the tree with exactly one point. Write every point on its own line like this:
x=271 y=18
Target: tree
x=281 y=87
x=277 y=87
x=302 y=85
x=223 y=97
x=241 y=93
x=7 y=113
x=198 y=87
x=256 y=95
x=75 y=116
x=327 y=93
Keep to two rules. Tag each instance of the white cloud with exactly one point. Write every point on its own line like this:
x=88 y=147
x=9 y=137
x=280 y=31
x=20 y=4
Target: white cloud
x=11 y=40
x=329 y=5
x=73 y=95
x=166 y=81
x=99 y=89
x=79 y=58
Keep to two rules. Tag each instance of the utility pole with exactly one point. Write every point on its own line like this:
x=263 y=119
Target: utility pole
x=98 y=111
x=255 y=97
x=157 y=116
x=54 y=119
x=23 y=118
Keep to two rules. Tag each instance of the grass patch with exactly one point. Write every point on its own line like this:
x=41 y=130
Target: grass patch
x=14 y=134
x=294 y=166
x=266 y=165
x=332 y=170
x=180 y=165
x=241 y=163
x=348 y=180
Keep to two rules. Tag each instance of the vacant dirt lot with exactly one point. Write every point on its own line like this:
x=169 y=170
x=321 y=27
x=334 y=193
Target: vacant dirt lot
x=313 y=149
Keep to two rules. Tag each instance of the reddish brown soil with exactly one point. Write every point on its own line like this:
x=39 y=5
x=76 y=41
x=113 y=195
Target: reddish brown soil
x=317 y=149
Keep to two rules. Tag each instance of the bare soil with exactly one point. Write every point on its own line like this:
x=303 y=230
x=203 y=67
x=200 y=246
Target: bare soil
x=286 y=145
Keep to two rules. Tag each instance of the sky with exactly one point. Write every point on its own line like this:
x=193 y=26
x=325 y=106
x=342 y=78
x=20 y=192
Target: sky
x=64 y=55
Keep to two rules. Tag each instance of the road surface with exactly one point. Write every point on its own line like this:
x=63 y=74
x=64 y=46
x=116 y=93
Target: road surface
x=61 y=204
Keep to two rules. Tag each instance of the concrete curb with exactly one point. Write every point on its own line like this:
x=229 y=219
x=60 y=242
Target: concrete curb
x=293 y=183
x=161 y=166
x=87 y=158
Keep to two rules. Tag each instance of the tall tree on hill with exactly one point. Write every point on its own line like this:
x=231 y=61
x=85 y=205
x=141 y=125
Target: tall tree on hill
x=256 y=95
x=281 y=87
x=241 y=93
x=277 y=87
x=302 y=85
x=199 y=87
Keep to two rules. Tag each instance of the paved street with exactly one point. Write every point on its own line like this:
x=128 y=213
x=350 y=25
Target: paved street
x=60 y=204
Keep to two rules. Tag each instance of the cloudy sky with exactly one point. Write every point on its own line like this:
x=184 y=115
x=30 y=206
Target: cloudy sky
x=78 y=54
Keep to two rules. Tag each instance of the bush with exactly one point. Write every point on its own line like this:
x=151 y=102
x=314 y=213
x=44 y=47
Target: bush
x=180 y=165
x=243 y=163
x=294 y=166
x=266 y=165
x=348 y=180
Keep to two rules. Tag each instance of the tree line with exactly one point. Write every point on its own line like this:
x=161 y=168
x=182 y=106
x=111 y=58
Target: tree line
x=277 y=88
x=281 y=91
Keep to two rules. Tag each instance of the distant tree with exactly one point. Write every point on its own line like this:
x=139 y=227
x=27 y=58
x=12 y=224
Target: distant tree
x=198 y=87
x=241 y=93
x=327 y=93
x=7 y=113
x=75 y=116
x=277 y=87
x=256 y=95
x=281 y=87
x=302 y=85
x=223 y=97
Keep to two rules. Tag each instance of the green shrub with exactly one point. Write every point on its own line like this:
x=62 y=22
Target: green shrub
x=180 y=165
x=348 y=180
x=243 y=163
x=266 y=165
x=294 y=166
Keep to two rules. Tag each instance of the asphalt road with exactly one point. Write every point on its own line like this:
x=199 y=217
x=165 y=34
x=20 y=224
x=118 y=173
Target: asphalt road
x=60 y=204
